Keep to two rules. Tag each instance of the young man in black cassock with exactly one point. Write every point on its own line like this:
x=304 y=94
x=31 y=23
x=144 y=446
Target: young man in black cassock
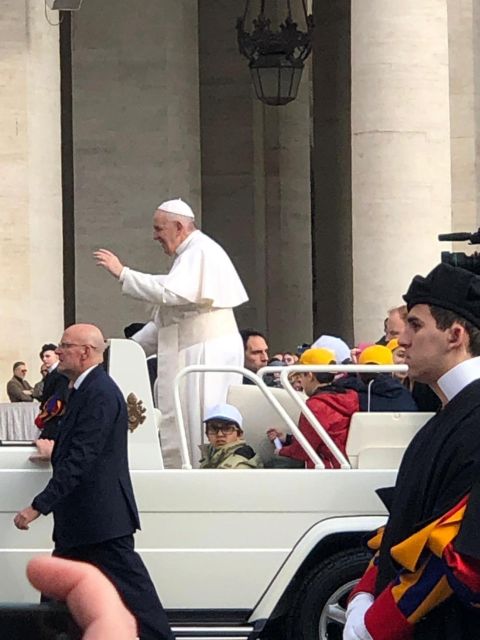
x=424 y=580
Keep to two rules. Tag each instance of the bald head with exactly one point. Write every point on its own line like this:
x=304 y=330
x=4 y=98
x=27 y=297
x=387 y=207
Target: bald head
x=81 y=347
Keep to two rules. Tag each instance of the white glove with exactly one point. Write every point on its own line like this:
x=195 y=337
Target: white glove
x=355 y=628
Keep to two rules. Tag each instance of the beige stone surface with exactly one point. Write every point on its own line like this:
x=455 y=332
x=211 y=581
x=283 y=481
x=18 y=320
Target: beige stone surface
x=256 y=182
x=136 y=137
x=464 y=57
x=31 y=289
x=400 y=150
x=164 y=106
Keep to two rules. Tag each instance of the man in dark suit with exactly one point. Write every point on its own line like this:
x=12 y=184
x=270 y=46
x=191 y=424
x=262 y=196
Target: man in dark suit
x=90 y=493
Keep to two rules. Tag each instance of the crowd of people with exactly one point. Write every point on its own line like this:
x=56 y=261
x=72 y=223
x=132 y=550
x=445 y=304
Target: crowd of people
x=333 y=399
x=424 y=578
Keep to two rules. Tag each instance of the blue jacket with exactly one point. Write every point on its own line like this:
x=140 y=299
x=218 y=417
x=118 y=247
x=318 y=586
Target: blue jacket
x=90 y=492
x=384 y=393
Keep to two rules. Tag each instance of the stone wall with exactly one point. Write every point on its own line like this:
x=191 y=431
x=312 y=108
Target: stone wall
x=256 y=182
x=464 y=69
x=136 y=140
x=31 y=289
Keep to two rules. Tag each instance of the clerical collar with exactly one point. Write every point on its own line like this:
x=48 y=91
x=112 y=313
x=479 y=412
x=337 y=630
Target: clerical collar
x=82 y=376
x=459 y=377
x=181 y=247
x=53 y=367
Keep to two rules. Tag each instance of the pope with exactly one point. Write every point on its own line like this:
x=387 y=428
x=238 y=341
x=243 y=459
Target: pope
x=192 y=321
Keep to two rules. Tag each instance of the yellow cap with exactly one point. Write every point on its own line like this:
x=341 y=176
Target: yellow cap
x=376 y=354
x=393 y=344
x=317 y=356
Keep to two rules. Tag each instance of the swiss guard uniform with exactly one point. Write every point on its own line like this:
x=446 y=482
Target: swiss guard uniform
x=425 y=575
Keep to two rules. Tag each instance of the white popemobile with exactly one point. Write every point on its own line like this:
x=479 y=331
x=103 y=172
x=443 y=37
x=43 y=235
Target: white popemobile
x=233 y=554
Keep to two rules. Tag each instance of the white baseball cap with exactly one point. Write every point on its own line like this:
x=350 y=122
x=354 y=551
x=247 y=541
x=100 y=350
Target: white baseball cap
x=226 y=412
x=337 y=345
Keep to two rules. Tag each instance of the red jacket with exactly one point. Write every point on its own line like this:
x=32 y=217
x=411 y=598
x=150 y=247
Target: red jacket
x=333 y=411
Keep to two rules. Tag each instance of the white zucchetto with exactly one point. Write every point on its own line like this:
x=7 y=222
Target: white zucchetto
x=178 y=207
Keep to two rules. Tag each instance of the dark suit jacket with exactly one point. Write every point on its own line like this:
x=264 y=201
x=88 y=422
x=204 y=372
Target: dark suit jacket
x=55 y=383
x=90 y=493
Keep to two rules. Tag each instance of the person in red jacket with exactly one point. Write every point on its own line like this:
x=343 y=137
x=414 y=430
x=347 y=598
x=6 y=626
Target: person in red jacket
x=333 y=407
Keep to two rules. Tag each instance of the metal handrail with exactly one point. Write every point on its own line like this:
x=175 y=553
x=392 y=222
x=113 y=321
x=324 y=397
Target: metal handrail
x=328 y=368
x=186 y=464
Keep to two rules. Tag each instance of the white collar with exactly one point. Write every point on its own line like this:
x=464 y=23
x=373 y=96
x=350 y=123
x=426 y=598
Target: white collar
x=183 y=245
x=53 y=367
x=459 y=377
x=82 y=376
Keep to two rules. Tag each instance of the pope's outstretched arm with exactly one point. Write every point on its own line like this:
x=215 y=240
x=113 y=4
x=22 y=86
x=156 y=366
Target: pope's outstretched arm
x=142 y=286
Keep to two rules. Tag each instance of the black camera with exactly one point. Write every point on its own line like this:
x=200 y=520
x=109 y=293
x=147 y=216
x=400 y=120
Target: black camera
x=458 y=258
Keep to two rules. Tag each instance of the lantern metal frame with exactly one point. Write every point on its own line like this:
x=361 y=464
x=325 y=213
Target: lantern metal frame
x=282 y=52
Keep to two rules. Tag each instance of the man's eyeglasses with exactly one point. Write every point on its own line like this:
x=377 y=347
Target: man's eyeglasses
x=69 y=345
x=225 y=428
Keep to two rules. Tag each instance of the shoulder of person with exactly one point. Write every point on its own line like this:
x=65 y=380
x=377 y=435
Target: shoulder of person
x=205 y=243
x=238 y=461
x=245 y=451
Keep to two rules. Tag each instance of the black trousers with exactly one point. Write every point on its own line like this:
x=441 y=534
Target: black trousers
x=119 y=561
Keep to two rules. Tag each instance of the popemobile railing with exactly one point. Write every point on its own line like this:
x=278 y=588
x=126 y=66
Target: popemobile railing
x=257 y=379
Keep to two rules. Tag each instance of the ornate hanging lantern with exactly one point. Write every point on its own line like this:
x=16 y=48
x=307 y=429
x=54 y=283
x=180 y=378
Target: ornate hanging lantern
x=276 y=57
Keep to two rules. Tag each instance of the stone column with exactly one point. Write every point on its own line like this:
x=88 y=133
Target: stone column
x=287 y=206
x=31 y=286
x=136 y=140
x=401 y=194
x=331 y=169
x=256 y=181
x=464 y=38
x=230 y=154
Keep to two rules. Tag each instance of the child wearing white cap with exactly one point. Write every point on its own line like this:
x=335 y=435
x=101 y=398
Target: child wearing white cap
x=227 y=448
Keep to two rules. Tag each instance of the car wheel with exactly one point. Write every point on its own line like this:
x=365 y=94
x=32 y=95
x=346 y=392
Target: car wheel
x=318 y=612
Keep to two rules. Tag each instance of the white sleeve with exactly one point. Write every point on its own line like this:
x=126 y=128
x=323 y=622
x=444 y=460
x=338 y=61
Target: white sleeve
x=149 y=288
x=147 y=338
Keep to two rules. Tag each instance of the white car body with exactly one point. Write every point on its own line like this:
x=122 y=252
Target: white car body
x=225 y=548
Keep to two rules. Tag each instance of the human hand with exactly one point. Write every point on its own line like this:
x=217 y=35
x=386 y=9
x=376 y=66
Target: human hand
x=109 y=261
x=44 y=448
x=354 y=353
x=275 y=433
x=355 y=628
x=90 y=596
x=23 y=518
x=27 y=392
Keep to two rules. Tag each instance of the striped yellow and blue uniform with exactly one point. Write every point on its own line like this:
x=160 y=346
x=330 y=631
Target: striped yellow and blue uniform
x=430 y=571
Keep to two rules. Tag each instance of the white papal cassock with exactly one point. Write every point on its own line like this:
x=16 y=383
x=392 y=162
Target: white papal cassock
x=192 y=323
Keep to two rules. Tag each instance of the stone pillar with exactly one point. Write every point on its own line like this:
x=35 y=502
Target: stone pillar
x=31 y=287
x=401 y=194
x=331 y=169
x=287 y=206
x=256 y=181
x=230 y=154
x=464 y=38
x=136 y=140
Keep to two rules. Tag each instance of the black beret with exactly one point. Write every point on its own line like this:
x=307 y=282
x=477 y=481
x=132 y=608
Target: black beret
x=449 y=288
x=47 y=347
